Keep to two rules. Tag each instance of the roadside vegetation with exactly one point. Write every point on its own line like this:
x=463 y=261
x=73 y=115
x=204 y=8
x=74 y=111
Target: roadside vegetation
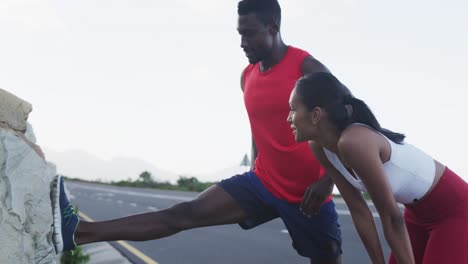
x=146 y=180
x=184 y=183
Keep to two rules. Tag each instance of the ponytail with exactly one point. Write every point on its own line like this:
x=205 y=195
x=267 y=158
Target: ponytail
x=324 y=90
x=359 y=112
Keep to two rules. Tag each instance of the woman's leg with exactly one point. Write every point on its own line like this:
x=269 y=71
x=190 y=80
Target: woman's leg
x=448 y=242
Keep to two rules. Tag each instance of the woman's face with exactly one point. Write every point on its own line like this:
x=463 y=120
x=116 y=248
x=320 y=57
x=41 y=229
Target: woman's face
x=300 y=119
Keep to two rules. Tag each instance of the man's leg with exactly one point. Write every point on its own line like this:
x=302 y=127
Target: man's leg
x=317 y=237
x=326 y=261
x=212 y=207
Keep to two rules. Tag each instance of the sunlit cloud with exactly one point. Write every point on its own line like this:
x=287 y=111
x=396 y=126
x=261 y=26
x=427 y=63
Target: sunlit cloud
x=33 y=15
x=211 y=7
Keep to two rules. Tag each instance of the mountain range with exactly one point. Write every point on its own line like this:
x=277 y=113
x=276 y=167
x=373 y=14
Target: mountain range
x=76 y=163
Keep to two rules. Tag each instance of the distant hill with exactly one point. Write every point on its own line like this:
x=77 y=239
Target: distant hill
x=223 y=173
x=80 y=164
x=218 y=175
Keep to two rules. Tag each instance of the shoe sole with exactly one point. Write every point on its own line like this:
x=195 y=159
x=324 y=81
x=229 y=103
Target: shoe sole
x=57 y=215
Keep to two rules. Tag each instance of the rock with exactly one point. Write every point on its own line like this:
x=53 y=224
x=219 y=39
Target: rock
x=25 y=178
x=13 y=110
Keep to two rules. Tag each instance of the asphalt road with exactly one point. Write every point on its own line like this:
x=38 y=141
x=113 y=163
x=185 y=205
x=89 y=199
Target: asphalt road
x=229 y=244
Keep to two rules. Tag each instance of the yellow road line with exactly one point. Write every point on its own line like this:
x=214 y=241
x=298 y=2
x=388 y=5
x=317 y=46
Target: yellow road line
x=124 y=244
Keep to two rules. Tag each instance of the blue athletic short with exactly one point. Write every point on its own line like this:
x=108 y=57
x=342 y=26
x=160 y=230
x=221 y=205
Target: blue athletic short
x=317 y=237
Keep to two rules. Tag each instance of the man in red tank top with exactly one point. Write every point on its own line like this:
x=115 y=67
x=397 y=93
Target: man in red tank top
x=286 y=180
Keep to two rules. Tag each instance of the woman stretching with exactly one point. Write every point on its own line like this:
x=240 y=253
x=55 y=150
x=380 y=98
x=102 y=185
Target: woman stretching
x=360 y=156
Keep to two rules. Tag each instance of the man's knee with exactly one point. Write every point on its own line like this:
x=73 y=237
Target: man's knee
x=185 y=215
x=336 y=260
x=332 y=249
x=212 y=207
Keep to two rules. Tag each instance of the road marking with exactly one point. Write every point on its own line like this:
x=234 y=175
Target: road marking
x=119 y=201
x=158 y=196
x=124 y=244
x=133 y=204
x=346 y=212
x=151 y=208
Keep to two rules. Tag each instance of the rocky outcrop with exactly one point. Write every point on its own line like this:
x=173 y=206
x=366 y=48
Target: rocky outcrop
x=14 y=111
x=25 y=177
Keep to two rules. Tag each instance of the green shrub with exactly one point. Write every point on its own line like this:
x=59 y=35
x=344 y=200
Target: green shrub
x=77 y=256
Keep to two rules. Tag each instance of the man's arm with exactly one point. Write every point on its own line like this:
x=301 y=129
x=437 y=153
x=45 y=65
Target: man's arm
x=254 y=152
x=316 y=194
x=312 y=65
x=318 y=191
x=242 y=80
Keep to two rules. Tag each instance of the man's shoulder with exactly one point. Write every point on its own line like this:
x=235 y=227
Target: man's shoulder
x=245 y=73
x=247 y=70
x=299 y=51
x=249 y=67
x=299 y=56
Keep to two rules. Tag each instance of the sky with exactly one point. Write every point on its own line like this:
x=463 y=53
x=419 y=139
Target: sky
x=159 y=80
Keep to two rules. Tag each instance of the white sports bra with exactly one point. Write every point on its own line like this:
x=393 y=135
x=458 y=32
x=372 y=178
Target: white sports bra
x=410 y=171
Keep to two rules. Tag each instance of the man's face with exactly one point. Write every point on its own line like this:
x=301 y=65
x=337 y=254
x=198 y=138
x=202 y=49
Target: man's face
x=256 y=37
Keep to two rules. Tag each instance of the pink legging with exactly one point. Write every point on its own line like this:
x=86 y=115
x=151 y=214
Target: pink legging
x=438 y=225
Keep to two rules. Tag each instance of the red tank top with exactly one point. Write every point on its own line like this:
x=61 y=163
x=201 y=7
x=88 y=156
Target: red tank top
x=285 y=167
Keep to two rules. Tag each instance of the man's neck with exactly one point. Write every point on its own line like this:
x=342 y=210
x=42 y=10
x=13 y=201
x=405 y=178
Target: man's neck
x=276 y=55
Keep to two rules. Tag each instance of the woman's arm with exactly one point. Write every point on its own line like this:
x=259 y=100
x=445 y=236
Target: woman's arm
x=360 y=212
x=365 y=160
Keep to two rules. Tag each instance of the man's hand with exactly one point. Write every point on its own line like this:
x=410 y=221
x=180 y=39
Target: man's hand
x=315 y=195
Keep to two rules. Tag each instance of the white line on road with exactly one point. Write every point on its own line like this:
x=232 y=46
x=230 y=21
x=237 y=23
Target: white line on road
x=158 y=196
x=151 y=208
x=133 y=204
x=346 y=212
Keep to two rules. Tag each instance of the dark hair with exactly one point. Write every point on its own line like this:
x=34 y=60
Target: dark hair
x=267 y=11
x=325 y=90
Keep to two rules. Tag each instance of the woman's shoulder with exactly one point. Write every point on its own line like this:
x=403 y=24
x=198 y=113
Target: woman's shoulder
x=358 y=136
x=356 y=132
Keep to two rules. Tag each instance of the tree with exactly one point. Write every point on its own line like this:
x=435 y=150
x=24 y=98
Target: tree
x=188 y=183
x=145 y=177
x=245 y=161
